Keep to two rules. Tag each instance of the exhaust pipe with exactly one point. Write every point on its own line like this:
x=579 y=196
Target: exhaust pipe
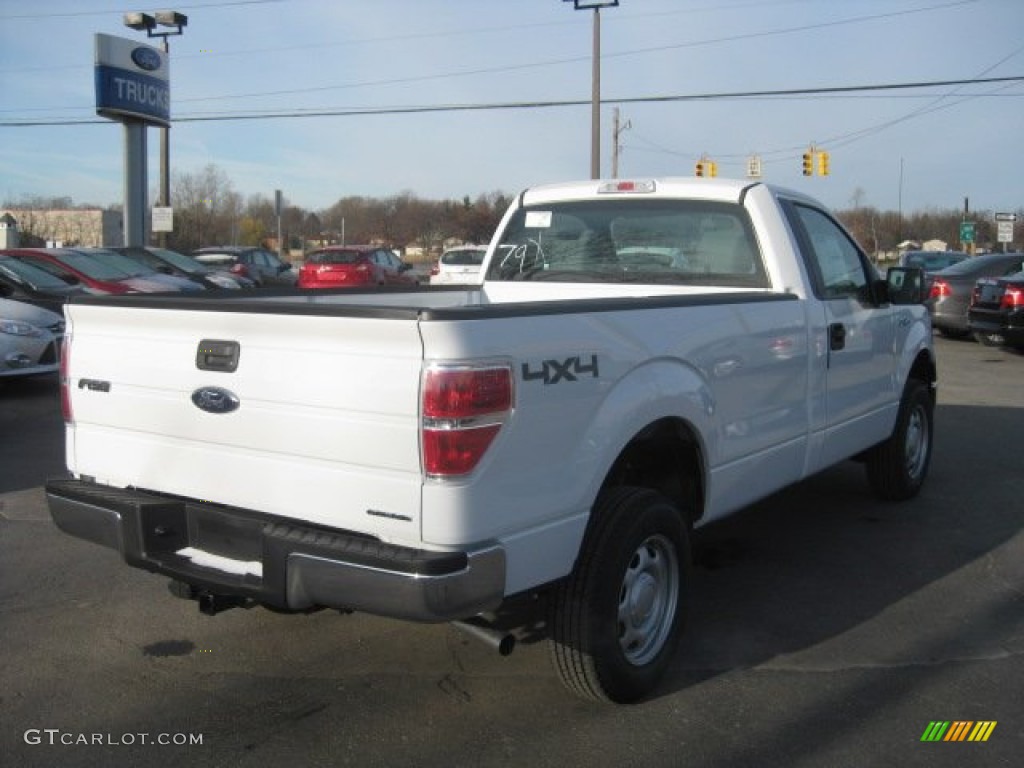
x=503 y=642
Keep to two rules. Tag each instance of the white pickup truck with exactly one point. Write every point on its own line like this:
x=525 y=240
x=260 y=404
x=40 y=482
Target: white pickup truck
x=640 y=358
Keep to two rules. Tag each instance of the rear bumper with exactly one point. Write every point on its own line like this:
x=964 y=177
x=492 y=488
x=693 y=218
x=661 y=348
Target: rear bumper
x=239 y=553
x=1008 y=324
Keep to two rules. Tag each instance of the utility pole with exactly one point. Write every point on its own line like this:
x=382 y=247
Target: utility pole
x=617 y=130
x=595 y=80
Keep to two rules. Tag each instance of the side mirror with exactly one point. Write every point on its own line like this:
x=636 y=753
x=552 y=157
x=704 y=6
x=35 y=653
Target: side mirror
x=281 y=268
x=905 y=285
x=404 y=267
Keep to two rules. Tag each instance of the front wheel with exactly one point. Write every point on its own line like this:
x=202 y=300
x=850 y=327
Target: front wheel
x=615 y=621
x=897 y=467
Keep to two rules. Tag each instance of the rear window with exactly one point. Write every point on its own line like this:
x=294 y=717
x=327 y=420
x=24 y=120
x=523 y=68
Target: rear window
x=934 y=261
x=693 y=242
x=335 y=257
x=464 y=257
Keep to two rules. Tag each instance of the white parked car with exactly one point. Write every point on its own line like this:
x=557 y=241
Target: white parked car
x=30 y=339
x=459 y=265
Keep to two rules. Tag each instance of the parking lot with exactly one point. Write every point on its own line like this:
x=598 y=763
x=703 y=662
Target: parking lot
x=828 y=630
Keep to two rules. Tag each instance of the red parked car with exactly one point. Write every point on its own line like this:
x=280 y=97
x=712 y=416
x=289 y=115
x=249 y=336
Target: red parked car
x=343 y=266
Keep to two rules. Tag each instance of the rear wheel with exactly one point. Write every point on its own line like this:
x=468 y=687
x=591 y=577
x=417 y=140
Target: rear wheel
x=897 y=467
x=615 y=621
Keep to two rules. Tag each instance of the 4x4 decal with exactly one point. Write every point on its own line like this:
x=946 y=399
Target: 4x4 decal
x=555 y=371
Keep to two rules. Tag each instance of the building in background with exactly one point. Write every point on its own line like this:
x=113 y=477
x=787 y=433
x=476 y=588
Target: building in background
x=66 y=227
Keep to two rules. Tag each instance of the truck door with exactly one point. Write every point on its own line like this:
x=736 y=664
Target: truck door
x=856 y=336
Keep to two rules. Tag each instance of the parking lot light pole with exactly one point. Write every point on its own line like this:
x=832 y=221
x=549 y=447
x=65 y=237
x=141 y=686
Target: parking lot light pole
x=595 y=80
x=177 y=22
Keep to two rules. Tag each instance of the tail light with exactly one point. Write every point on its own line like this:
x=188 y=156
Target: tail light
x=464 y=408
x=1013 y=298
x=940 y=289
x=65 y=381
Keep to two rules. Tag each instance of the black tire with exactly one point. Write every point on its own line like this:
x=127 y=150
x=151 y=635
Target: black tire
x=615 y=621
x=897 y=467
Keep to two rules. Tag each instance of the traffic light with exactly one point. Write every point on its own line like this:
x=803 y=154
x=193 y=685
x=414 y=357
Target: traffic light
x=823 y=163
x=699 y=169
x=712 y=167
x=808 y=164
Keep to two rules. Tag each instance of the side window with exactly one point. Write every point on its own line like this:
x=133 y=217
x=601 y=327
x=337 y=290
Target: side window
x=837 y=260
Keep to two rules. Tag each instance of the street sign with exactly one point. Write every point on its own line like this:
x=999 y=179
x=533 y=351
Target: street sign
x=1006 y=217
x=966 y=231
x=1004 y=231
x=163 y=219
x=132 y=81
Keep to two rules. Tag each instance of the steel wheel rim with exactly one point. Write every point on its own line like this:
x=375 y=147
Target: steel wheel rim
x=916 y=443
x=648 y=599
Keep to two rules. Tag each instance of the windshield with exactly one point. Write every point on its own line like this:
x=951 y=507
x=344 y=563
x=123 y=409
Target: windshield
x=128 y=266
x=31 y=275
x=179 y=260
x=90 y=266
x=692 y=242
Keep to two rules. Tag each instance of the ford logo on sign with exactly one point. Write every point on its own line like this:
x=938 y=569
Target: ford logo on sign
x=215 y=400
x=147 y=59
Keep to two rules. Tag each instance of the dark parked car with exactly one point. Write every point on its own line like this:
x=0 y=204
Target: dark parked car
x=344 y=266
x=25 y=282
x=258 y=264
x=173 y=263
x=951 y=288
x=996 y=315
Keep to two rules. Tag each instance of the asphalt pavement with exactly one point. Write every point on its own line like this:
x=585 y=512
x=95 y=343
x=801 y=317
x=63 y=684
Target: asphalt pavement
x=828 y=630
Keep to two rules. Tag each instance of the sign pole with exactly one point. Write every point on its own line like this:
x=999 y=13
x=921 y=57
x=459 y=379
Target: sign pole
x=132 y=87
x=134 y=183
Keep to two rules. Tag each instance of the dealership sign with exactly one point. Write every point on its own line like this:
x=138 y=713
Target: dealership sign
x=132 y=81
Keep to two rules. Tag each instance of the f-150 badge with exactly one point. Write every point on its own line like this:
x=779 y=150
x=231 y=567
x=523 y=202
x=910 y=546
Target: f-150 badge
x=555 y=371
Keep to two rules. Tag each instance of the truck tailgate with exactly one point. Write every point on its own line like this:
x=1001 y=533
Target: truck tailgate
x=325 y=429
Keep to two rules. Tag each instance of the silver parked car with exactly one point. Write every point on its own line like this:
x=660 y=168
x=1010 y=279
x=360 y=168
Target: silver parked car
x=30 y=339
x=459 y=265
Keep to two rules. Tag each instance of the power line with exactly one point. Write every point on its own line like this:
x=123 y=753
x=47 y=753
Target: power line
x=420 y=109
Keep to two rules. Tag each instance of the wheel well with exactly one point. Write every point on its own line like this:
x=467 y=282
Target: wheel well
x=664 y=456
x=923 y=369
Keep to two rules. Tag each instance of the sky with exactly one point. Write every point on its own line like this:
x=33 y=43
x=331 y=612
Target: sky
x=452 y=98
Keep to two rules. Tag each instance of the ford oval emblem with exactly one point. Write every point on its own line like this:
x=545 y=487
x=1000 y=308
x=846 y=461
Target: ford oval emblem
x=215 y=400
x=146 y=58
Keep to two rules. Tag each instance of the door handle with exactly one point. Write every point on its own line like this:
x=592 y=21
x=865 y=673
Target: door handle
x=836 y=336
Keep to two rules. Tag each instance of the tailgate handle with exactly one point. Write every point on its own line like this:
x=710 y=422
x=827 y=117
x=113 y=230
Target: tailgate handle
x=217 y=355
